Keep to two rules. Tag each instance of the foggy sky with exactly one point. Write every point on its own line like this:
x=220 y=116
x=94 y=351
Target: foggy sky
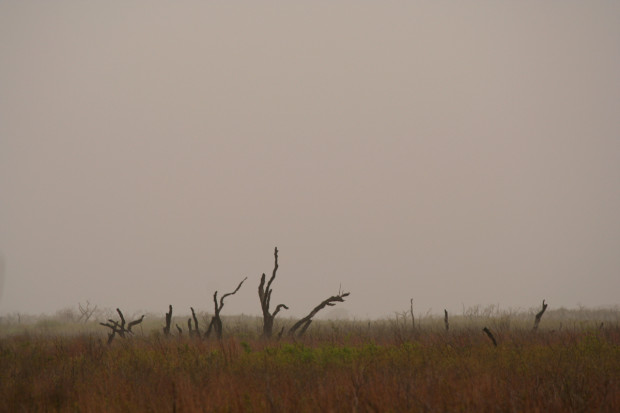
x=456 y=153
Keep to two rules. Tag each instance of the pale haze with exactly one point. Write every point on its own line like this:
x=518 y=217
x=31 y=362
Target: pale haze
x=456 y=153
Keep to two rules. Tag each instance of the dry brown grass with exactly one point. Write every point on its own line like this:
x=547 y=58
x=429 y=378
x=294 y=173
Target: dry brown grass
x=339 y=371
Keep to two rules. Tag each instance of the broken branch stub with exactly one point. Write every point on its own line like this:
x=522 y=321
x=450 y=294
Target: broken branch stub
x=304 y=323
x=196 y=329
x=189 y=327
x=490 y=335
x=539 y=315
x=168 y=321
x=264 y=294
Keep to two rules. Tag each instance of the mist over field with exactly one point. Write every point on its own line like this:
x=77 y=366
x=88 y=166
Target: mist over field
x=457 y=154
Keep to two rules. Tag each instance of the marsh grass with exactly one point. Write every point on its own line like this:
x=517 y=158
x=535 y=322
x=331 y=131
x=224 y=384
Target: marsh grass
x=346 y=365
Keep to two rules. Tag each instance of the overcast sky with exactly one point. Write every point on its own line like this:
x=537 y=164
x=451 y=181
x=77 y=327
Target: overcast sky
x=456 y=153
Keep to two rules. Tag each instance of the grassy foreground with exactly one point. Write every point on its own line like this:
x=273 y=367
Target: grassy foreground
x=544 y=371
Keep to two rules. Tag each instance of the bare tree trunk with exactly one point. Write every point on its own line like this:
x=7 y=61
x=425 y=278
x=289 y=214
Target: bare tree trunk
x=189 y=327
x=216 y=321
x=539 y=315
x=196 y=329
x=168 y=321
x=445 y=319
x=264 y=294
x=304 y=323
x=412 y=316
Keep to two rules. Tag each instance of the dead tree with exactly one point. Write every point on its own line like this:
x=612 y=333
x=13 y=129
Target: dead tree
x=168 y=321
x=196 y=330
x=216 y=321
x=490 y=335
x=539 y=316
x=305 y=322
x=445 y=319
x=86 y=312
x=412 y=316
x=264 y=294
x=118 y=327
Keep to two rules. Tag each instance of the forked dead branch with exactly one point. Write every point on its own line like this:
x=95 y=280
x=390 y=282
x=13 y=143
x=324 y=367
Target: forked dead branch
x=193 y=332
x=119 y=326
x=86 y=312
x=264 y=294
x=216 y=321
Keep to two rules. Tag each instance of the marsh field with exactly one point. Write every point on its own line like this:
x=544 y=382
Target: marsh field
x=570 y=363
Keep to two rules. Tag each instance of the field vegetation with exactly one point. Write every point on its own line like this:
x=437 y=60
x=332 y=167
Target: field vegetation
x=400 y=364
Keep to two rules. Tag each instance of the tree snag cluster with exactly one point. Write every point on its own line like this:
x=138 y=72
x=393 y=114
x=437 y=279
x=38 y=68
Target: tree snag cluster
x=265 y=291
x=118 y=327
x=264 y=295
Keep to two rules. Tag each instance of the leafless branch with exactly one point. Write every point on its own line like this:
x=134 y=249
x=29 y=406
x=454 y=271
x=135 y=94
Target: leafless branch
x=264 y=294
x=539 y=315
x=490 y=335
x=216 y=321
x=196 y=331
x=168 y=321
x=135 y=322
x=119 y=327
x=304 y=323
x=86 y=312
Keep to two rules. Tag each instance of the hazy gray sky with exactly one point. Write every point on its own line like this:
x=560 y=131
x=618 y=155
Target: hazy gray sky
x=456 y=153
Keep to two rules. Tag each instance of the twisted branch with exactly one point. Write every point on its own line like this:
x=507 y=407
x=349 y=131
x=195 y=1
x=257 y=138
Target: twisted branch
x=304 y=323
